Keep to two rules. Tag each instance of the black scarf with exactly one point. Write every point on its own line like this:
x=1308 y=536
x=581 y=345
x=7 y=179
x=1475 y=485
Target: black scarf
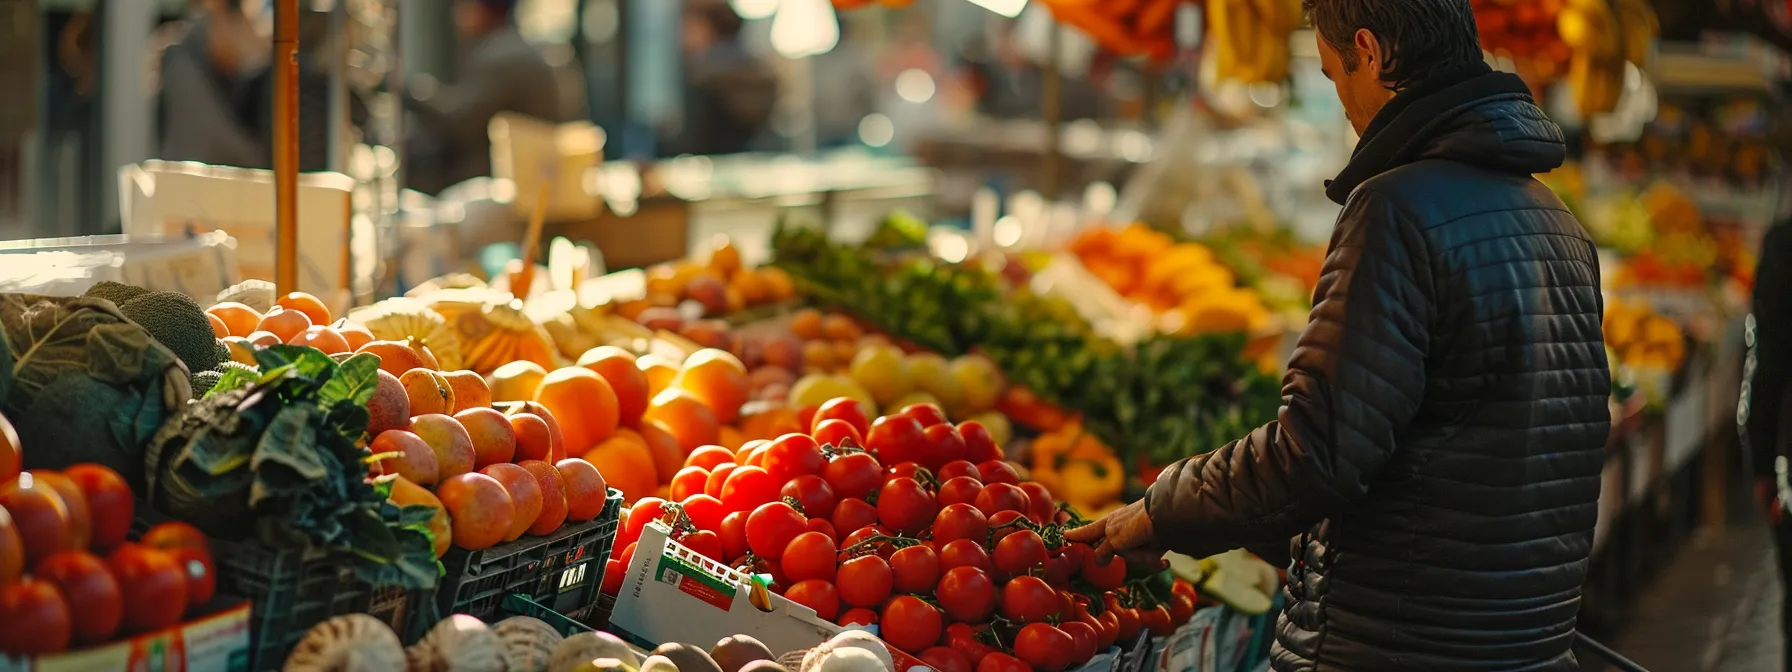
x=1403 y=127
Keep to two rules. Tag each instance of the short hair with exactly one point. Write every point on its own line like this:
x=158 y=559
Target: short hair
x=1420 y=37
x=720 y=17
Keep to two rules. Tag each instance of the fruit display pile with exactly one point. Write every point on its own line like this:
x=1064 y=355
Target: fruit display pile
x=915 y=525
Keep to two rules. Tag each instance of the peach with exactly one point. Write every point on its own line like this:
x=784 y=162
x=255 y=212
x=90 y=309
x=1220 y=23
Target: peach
x=415 y=459
x=710 y=291
x=390 y=407
x=586 y=489
x=323 y=338
x=480 y=508
x=396 y=357
x=355 y=334
x=553 y=497
x=428 y=391
x=441 y=529
x=493 y=439
x=469 y=390
x=449 y=440
x=262 y=339
x=517 y=381
x=428 y=356
x=767 y=376
x=784 y=351
x=659 y=317
x=525 y=495
x=709 y=333
x=534 y=440
x=557 y=438
x=284 y=324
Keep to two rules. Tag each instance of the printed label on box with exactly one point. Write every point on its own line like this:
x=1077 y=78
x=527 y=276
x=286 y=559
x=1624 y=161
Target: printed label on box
x=694 y=583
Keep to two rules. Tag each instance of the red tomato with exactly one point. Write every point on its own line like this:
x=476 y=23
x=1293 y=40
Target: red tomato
x=1059 y=569
x=895 y=439
x=926 y=414
x=851 y=515
x=83 y=579
x=755 y=456
x=734 y=535
x=36 y=617
x=865 y=534
x=201 y=574
x=705 y=512
x=812 y=494
x=1109 y=629
x=173 y=535
x=1182 y=608
x=998 y=471
x=805 y=416
x=818 y=595
x=845 y=409
x=838 y=433
x=853 y=475
x=963 y=638
x=979 y=445
x=1105 y=577
x=957 y=468
x=904 y=470
x=822 y=526
x=717 y=477
x=960 y=521
x=1044 y=647
x=1002 y=524
x=1029 y=600
x=1085 y=638
x=1157 y=620
x=865 y=581
x=152 y=585
x=966 y=553
x=1002 y=662
x=793 y=455
x=903 y=505
x=645 y=510
x=960 y=490
x=858 y=616
x=1002 y=497
x=709 y=457
x=911 y=624
x=1040 y=505
x=1019 y=552
x=627 y=554
x=809 y=556
x=748 y=488
x=1128 y=620
x=689 y=481
x=967 y=594
x=771 y=527
x=945 y=659
x=707 y=544
x=943 y=445
x=1181 y=587
x=613 y=570
x=915 y=569
x=109 y=502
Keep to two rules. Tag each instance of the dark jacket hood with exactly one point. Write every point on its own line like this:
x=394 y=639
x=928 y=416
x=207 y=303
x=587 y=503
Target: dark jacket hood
x=1474 y=116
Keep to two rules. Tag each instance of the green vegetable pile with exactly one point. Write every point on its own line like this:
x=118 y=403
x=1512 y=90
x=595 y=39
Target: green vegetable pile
x=275 y=456
x=1165 y=399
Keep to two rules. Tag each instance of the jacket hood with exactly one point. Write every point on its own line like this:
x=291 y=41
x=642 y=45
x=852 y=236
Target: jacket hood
x=1487 y=120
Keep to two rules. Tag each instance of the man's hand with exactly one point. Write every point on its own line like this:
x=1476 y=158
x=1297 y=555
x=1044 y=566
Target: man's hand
x=1127 y=533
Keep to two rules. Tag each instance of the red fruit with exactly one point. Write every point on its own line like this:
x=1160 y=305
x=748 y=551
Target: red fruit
x=844 y=409
x=838 y=433
x=771 y=527
x=718 y=477
x=864 y=581
x=627 y=555
x=853 y=475
x=858 y=616
x=904 y=470
x=83 y=579
x=172 y=535
x=1041 y=507
x=613 y=570
x=945 y=659
x=944 y=445
x=109 y=502
x=850 y=515
x=809 y=556
x=1059 y=569
x=37 y=618
x=979 y=445
x=812 y=494
x=748 y=488
x=1044 y=647
x=1002 y=524
x=823 y=526
x=960 y=521
x=960 y=490
x=903 y=505
x=967 y=594
x=793 y=455
x=962 y=637
x=998 y=497
x=1002 y=662
x=911 y=624
x=201 y=574
x=816 y=594
x=955 y=469
x=709 y=457
x=645 y=510
x=1019 y=552
x=39 y=515
x=1157 y=621
x=705 y=543
x=998 y=471
x=689 y=481
x=927 y=414
x=1109 y=629
x=734 y=535
x=895 y=439
x=1182 y=608
x=1104 y=576
x=966 y=553
x=1085 y=639
x=865 y=534
x=915 y=569
x=1029 y=600
x=705 y=512
x=152 y=584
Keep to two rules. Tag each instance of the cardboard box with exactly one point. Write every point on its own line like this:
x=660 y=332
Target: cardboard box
x=215 y=643
x=198 y=266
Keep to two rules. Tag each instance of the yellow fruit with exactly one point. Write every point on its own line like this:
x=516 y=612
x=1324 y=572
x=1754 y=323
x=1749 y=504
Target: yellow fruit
x=1001 y=430
x=981 y=383
x=933 y=375
x=517 y=381
x=816 y=389
x=912 y=398
x=883 y=372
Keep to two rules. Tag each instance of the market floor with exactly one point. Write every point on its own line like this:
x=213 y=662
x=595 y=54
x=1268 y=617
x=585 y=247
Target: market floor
x=1714 y=607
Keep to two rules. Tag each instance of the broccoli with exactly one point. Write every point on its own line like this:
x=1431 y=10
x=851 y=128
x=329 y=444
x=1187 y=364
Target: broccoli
x=116 y=292
x=177 y=321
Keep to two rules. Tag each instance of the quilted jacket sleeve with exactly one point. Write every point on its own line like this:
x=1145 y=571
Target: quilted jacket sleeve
x=1356 y=379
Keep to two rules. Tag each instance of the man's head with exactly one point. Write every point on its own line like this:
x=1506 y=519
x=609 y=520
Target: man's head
x=475 y=17
x=1373 y=49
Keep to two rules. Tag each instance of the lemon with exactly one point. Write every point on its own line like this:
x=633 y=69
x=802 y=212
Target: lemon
x=883 y=372
x=981 y=383
x=816 y=389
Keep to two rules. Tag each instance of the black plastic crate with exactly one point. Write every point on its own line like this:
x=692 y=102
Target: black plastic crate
x=561 y=571
x=517 y=605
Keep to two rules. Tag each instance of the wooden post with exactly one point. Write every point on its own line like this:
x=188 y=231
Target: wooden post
x=1052 y=114
x=286 y=146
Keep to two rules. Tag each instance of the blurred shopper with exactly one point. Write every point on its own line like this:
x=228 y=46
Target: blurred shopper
x=498 y=71
x=728 y=92
x=206 y=112
x=845 y=88
x=1435 y=466
x=1766 y=398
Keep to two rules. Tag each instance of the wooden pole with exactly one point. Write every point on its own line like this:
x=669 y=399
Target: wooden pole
x=286 y=146
x=1052 y=114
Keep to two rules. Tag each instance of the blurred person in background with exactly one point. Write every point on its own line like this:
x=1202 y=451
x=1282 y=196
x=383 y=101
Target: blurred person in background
x=498 y=71
x=1767 y=399
x=729 y=93
x=207 y=109
x=845 y=88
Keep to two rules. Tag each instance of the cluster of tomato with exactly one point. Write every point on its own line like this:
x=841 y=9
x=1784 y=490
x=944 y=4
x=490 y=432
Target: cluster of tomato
x=925 y=532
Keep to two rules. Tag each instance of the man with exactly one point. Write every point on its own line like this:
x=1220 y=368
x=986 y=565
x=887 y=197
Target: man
x=1766 y=401
x=1439 y=449
x=500 y=72
x=729 y=94
x=205 y=106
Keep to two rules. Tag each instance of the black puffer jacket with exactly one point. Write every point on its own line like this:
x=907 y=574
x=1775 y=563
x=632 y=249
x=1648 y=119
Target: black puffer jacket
x=1437 y=458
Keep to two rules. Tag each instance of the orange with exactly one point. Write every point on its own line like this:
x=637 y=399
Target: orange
x=284 y=324
x=626 y=466
x=718 y=379
x=355 y=334
x=240 y=319
x=659 y=371
x=729 y=437
x=779 y=286
x=219 y=329
x=517 y=381
x=806 y=324
x=770 y=424
x=323 y=338
x=686 y=417
x=668 y=456
x=585 y=489
x=396 y=357
x=582 y=403
x=311 y=306
x=841 y=328
x=618 y=368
